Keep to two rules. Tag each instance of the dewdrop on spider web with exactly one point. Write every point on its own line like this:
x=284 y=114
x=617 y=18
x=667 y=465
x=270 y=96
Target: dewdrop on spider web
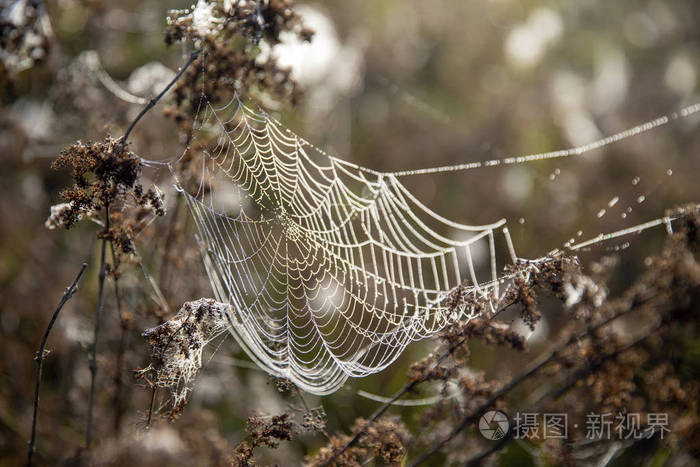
x=331 y=269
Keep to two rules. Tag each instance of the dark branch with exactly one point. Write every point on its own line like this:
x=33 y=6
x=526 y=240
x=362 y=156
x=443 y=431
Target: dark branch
x=379 y=412
x=479 y=458
x=571 y=382
x=536 y=366
x=98 y=319
x=154 y=101
x=118 y=398
x=41 y=354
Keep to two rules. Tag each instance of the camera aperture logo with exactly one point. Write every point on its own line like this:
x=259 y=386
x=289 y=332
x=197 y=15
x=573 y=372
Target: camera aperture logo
x=493 y=425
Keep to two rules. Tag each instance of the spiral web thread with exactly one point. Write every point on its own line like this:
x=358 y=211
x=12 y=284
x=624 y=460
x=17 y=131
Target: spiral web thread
x=332 y=269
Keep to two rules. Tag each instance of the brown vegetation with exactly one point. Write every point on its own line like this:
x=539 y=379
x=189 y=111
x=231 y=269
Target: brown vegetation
x=623 y=337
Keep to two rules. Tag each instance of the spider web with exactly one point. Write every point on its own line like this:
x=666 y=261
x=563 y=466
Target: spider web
x=332 y=269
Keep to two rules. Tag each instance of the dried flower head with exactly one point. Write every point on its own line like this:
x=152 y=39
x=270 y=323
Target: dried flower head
x=60 y=214
x=314 y=420
x=230 y=34
x=385 y=439
x=269 y=431
x=105 y=178
x=177 y=346
x=103 y=172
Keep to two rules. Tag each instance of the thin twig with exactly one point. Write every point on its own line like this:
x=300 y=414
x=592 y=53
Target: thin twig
x=479 y=458
x=41 y=354
x=380 y=411
x=149 y=418
x=118 y=381
x=124 y=327
x=505 y=389
x=169 y=239
x=98 y=319
x=571 y=382
x=125 y=138
x=154 y=101
x=301 y=397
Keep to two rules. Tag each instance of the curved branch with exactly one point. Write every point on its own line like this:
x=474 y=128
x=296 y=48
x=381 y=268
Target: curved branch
x=42 y=353
x=154 y=101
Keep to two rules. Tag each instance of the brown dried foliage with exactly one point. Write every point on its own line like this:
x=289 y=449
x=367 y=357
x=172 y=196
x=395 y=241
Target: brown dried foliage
x=229 y=58
x=270 y=431
x=385 y=440
x=104 y=177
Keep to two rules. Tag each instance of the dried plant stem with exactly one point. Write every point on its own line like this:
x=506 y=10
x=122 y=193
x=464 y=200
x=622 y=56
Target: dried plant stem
x=40 y=357
x=151 y=404
x=571 y=382
x=154 y=101
x=124 y=327
x=98 y=319
x=380 y=411
x=530 y=371
x=169 y=239
x=118 y=381
x=149 y=106
x=479 y=458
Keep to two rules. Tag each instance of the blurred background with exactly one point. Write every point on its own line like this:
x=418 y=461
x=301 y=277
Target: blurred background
x=392 y=85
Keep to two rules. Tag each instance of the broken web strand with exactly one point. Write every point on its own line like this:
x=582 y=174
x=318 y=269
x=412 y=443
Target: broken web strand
x=616 y=201
x=575 y=151
x=363 y=260
x=570 y=244
x=665 y=221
